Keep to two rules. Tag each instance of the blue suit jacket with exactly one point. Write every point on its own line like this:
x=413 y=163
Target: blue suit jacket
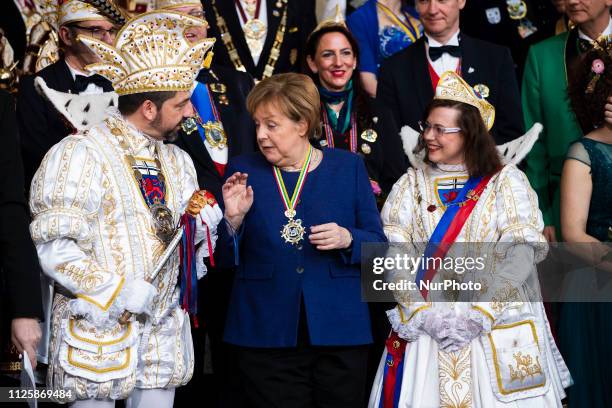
x=272 y=276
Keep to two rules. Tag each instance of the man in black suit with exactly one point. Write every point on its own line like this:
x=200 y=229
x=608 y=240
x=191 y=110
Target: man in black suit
x=264 y=39
x=219 y=100
x=40 y=126
x=407 y=81
x=19 y=269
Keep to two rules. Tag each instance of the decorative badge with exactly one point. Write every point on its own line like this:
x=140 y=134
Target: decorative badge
x=482 y=90
x=293 y=231
x=493 y=15
x=215 y=134
x=369 y=135
x=218 y=88
x=366 y=149
x=517 y=9
x=189 y=125
x=163 y=222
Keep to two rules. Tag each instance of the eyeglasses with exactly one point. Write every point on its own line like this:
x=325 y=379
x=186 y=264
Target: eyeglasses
x=437 y=129
x=97 y=32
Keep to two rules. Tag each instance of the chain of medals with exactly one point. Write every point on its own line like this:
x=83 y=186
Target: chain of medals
x=254 y=29
x=293 y=231
x=329 y=133
x=232 y=51
x=161 y=214
x=411 y=29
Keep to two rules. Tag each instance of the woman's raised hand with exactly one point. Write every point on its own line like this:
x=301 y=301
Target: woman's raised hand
x=237 y=197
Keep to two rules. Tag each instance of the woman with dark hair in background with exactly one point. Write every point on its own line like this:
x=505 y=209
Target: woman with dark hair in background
x=382 y=28
x=585 y=329
x=347 y=120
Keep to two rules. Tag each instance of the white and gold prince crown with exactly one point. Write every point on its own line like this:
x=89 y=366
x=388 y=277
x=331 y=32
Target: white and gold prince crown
x=74 y=11
x=452 y=87
x=151 y=54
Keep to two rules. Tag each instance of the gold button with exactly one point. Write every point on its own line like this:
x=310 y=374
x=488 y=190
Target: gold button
x=396 y=344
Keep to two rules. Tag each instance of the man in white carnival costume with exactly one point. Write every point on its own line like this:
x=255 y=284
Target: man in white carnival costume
x=105 y=205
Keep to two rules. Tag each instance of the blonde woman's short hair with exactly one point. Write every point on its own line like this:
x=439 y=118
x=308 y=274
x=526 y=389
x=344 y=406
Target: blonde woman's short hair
x=295 y=95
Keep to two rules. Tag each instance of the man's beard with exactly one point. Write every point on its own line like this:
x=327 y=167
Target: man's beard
x=168 y=135
x=171 y=135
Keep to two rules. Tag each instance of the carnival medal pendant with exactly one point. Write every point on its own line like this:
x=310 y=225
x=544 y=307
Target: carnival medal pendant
x=163 y=222
x=189 y=125
x=293 y=231
x=215 y=134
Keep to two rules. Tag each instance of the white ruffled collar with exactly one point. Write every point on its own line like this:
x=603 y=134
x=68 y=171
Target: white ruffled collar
x=451 y=168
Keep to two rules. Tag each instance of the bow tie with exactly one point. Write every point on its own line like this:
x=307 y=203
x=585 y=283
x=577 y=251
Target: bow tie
x=436 y=52
x=81 y=82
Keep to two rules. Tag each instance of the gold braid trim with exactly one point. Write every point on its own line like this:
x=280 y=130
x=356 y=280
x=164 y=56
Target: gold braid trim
x=226 y=37
x=275 y=51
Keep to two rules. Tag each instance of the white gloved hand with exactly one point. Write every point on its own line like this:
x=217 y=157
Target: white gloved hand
x=139 y=295
x=438 y=324
x=450 y=331
x=209 y=216
x=464 y=330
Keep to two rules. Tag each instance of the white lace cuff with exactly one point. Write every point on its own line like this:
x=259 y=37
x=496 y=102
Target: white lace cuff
x=410 y=329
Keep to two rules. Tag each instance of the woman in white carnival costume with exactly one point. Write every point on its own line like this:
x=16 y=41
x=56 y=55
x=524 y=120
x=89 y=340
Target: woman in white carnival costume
x=496 y=349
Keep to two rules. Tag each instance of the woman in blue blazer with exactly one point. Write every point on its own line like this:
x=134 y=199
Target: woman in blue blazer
x=296 y=217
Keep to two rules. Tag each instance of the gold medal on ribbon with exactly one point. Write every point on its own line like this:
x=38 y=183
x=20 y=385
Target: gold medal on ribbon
x=254 y=29
x=293 y=231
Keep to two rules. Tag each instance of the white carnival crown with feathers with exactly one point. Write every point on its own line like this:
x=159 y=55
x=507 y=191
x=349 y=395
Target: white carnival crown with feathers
x=452 y=87
x=151 y=54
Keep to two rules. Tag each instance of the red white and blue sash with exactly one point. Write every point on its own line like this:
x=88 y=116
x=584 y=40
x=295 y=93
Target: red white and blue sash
x=448 y=228
x=446 y=232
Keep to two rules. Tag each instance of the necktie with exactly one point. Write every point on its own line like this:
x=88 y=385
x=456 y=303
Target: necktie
x=436 y=52
x=81 y=82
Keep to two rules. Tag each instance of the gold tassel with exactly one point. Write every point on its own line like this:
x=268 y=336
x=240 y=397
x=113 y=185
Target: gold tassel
x=208 y=60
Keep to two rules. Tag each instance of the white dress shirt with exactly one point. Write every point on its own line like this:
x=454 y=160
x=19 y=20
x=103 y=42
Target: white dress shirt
x=607 y=31
x=446 y=62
